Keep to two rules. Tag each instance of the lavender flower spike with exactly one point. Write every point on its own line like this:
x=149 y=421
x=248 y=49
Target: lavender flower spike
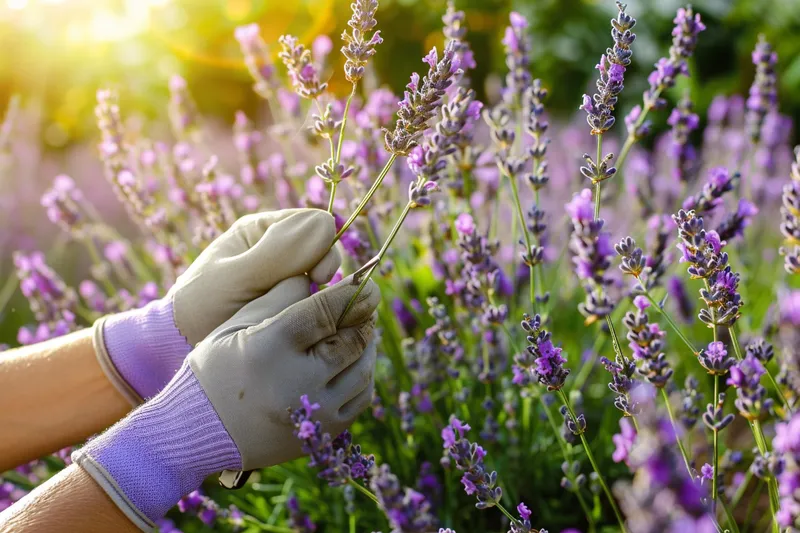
x=763 y=93
x=790 y=219
x=422 y=100
x=357 y=48
x=517 y=48
x=684 y=39
x=257 y=58
x=600 y=107
x=408 y=511
x=302 y=72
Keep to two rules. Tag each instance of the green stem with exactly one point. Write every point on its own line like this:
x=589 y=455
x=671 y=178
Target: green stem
x=729 y=516
x=380 y=255
x=262 y=526
x=366 y=198
x=597 y=185
x=8 y=290
x=363 y=490
x=671 y=323
x=675 y=429
x=352 y=523
x=334 y=184
x=510 y=517
x=716 y=454
x=752 y=505
x=590 y=456
x=344 y=123
x=515 y=193
x=631 y=140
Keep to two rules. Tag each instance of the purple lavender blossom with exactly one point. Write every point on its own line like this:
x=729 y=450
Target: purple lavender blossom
x=593 y=250
x=659 y=476
x=787 y=442
x=468 y=458
x=517 y=49
x=734 y=224
x=752 y=399
x=790 y=219
x=622 y=382
x=339 y=460
x=540 y=360
x=677 y=291
x=358 y=45
x=422 y=100
x=65 y=205
x=299 y=64
x=763 y=93
x=684 y=39
x=646 y=340
x=623 y=441
x=691 y=401
x=683 y=122
x=257 y=58
x=719 y=182
x=298 y=520
x=408 y=511
x=600 y=107
x=182 y=110
x=715 y=359
x=455 y=30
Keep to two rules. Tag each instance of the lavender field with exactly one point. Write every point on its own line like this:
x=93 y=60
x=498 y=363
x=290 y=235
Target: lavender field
x=590 y=320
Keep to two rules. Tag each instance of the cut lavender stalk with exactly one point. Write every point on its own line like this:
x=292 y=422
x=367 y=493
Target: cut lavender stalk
x=428 y=160
x=420 y=103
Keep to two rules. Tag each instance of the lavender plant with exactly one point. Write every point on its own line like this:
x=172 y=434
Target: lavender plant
x=454 y=281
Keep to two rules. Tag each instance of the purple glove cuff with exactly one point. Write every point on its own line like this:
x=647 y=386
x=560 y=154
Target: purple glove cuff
x=161 y=451
x=145 y=346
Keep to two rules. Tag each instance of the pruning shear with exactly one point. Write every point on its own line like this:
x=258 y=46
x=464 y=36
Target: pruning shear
x=236 y=479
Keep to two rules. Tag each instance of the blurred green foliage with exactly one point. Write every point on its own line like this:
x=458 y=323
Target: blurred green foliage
x=61 y=53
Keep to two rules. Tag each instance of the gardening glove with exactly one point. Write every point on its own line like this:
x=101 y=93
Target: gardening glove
x=141 y=350
x=228 y=406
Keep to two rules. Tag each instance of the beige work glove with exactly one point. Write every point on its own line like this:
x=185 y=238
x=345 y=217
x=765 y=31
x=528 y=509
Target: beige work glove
x=228 y=407
x=141 y=350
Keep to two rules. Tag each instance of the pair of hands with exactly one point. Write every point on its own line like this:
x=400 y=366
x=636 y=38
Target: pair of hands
x=260 y=343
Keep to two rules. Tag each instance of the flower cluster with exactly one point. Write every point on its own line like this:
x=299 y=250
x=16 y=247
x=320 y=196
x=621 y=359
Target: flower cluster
x=646 y=341
x=684 y=39
x=455 y=30
x=787 y=442
x=300 y=65
x=763 y=93
x=357 y=48
x=408 y=511
x=517 y=48
x=752 y=399
x=593 y=250
x=53 y=303
x=257 y=58
x=339 y=460
x=599 y=108
x=661 y=497
x=540 y=360
x=683 y=122
x=298 y=520
x=468 y=458
x=622 y=383
x=790 y=219
x=709 y=198
x=422 y=99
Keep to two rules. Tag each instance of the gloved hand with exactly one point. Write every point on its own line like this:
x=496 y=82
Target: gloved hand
x=228 y=405
x=141 y=350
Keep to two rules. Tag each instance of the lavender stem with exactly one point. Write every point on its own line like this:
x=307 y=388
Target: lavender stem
x=367 y=197
x=589 y=455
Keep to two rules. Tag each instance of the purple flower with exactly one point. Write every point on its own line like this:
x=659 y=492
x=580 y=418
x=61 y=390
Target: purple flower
x=468 y=458
x=299 y=63
x=408 y=511
x=600 y=107
x=464 y=224
x=422 y=101
x=540 y=360
x=623 y=441
x=763 y=93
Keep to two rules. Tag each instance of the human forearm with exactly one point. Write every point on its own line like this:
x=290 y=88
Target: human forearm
x=54 y=394
x=70 y=501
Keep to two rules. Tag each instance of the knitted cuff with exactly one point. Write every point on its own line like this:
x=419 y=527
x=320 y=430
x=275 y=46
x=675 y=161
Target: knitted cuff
x=161 y=451
x=143 y=347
